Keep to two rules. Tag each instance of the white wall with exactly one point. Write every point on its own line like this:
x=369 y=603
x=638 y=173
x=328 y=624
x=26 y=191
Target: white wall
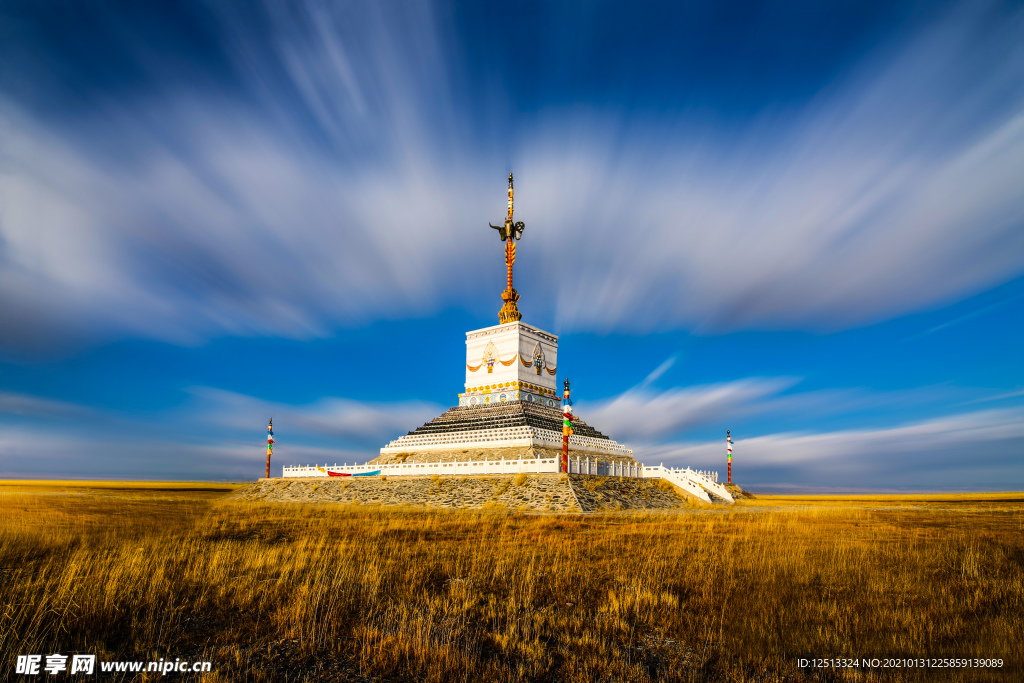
x=514 y=340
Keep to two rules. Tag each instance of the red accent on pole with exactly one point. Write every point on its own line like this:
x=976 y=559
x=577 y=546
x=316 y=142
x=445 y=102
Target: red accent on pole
x=565 y=431
x=270 y=440
x=728 y=451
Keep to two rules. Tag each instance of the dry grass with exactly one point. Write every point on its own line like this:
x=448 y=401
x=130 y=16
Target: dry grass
x=364 y=593
x=665 y=485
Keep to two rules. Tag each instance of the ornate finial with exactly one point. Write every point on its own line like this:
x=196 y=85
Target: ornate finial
x=567 y=384
x=509 y=233
x=510 y=196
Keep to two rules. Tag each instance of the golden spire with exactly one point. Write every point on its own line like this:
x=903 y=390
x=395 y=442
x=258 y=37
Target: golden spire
x=510 y=232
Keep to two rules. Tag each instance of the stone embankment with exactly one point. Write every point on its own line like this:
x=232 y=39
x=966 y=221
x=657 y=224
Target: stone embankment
x=737 y=492
x=520 y=492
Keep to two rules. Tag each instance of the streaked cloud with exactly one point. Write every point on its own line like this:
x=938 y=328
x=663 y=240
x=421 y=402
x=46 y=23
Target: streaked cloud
x=219 y=434
x=955 y=451
x=46 y=453
x=180 y=212
x=342 y=418
x=26 y=405
x=296 y=171
x=997 y=397
x=645 y=414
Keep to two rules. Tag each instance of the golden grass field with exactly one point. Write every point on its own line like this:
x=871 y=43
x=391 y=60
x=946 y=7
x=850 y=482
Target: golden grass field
x=274 y=592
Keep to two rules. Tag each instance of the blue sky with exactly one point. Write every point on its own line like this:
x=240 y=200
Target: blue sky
x=800 y=222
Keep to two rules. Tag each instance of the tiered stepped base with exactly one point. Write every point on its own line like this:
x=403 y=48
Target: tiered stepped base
x=510 y=430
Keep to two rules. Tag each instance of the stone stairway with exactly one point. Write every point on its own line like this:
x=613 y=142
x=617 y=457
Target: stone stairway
x=717 y=499
x=693 y=483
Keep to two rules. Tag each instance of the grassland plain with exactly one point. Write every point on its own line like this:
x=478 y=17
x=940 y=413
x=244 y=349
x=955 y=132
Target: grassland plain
x=299 y=592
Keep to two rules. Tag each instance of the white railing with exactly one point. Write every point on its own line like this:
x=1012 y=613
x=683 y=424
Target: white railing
x=679 y=478
x=713 y=476
x=696 y=482
x=502 y=466
x=712 y=486
x=605 y=469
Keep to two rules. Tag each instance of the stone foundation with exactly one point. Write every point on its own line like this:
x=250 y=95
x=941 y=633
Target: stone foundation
x=520 y=492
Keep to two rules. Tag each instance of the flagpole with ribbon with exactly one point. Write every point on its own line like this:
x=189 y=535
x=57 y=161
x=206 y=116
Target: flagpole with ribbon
x=728 y=442
x=270 y=444
x=566 y=427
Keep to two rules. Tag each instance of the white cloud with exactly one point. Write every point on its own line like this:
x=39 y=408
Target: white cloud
x=641 y=413
x=220 y=434
x=12 y=403
x=376 y=422
x=895 y=189
x=971 y=430
x=954 y=451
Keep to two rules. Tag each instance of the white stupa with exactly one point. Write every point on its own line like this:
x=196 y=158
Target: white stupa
x=511 y=404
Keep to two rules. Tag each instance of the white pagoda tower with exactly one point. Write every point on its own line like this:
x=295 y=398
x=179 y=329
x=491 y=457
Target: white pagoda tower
x=510 y=407
x=510 y=362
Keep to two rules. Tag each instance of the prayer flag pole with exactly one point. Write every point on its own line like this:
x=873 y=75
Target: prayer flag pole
x=566 y=427
x=270 y=444
x=728 y=442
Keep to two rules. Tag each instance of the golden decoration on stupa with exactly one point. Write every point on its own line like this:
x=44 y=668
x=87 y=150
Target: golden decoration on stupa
x=509 y=233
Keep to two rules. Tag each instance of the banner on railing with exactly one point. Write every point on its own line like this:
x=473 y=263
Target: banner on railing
x=697 y=482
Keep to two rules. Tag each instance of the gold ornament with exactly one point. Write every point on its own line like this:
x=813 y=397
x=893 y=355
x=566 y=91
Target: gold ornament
x=509 y=233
